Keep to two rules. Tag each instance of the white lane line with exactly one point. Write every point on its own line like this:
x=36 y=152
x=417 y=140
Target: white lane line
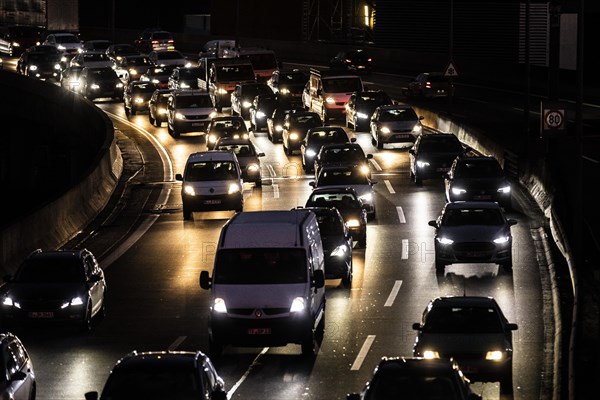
x=362 y=354
x=405 y=249
x=271 y=171
x=393 y=294
x=275 y=190
x=176 y=343
x=231 y=391
x=389 y=186
x=376 y=165
x=401 y=216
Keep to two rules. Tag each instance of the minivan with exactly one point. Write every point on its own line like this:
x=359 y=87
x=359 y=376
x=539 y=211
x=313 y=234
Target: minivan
x=268 y=282
x=327 y=92
x=211 y=181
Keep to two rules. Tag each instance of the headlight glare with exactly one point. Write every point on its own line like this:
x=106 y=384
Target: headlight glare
x=385 y=130
x=234 y=188
x=495 y=355
x=219 y=305
x=189 y=190
x=298 y=305
x=339 y=251
x=445 y=240
x=431 y=354
x=352 y=223
x=362 y=115
x=504 y=189
x=502 y=239
x=458 y=191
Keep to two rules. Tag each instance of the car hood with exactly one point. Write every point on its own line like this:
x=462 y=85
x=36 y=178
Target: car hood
x=480 y=183
x=472 y=233
x=195 y=111
x=259 y=296
x=46 y=291
x=212 y=188
x=361 y=190
x=399 y=124
x=330 y=242
x=462 y=343
x=245 y=161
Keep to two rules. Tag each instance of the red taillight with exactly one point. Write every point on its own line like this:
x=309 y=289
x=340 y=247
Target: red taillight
x=428 y=85
x=369 y=60
x=170 y=40
x=154 y=41
x=348 y=60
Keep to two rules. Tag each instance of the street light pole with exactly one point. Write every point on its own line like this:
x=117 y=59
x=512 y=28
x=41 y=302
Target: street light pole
x=451 y=56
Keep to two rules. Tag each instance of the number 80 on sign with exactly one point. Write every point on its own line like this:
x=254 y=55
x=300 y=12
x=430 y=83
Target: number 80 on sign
x=554 y=119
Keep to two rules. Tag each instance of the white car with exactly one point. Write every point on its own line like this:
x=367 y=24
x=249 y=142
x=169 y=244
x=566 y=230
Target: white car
x=92 y=59
x=68 y=43
x=349 y=176
x=174 y=58
x=397 y=123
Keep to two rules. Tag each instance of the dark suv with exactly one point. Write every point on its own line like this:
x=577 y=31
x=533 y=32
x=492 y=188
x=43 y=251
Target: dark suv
x=163 y=375
x=432 y=155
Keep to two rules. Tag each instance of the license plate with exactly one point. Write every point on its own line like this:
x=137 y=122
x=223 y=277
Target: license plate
x=41 y=314
x=197 y=124
x=483 y=197
x=259 y=331
x=443 y=169
x=212 y=201
x=474 y=254
x=404 y=136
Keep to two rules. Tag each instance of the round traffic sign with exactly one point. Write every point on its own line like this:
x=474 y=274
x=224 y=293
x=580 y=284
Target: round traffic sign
x=554 y=119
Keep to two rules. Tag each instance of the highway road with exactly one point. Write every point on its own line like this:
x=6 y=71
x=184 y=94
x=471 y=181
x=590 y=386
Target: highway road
x=152 y=259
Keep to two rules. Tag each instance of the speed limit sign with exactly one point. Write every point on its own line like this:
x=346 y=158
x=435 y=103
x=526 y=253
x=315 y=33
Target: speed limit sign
x=554 y=119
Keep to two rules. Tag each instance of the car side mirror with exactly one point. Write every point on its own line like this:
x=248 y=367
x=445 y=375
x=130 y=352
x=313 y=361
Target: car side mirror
x=432 y=223
x=312 y=183
x=421 y=117
x=412 y=151
x=261 y=154
x=91 y=396
x=512 y=327
x=353 y=140
x=369 y=156
x=205 y=282
x=512 y=222
x=417 y=326
x=178 y=177
x=318 y=279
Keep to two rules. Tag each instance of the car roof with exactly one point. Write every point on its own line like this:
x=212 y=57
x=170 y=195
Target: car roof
x=395 y=107
x=189 y=92
x=174 y=358
x=336 y=189
x=230 y=140
x=478 y=301
x=212 y=155
x=67 y=253
x=439 y=365
x=461 y=205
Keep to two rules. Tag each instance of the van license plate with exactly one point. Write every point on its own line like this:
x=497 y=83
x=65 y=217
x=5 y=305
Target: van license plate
x=41 y=314
x=197 y=123
x=212 y=201
x=259 y=331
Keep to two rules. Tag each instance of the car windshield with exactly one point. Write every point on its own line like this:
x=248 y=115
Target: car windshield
x=482 y=169
x=322 y=136
x=441 y=144
x=341 y=201
x=305 y=120
x=50 y=270
x=357 y=56
x=342 y=177
x=373 y=98
x=95 y=57
x=342 y=154
x=102 y=73
x=241 y=150
x=472 y=216
x=342 y=85
x=190 y=73
x=154 y=381
x=251 y=91
x=227 y=124
x=43 y=57
x=66 y=39
x=125 y=49
x=462 y=320
x=137 y=61
x=211 y=171
x=256 y=266
x=162 y=36
x=169 y=55
x=235 y=73
x=143 y=88
x=330 y=224
x=292 y=78
x=411 y=385
x=398 y=114
x=194 y=102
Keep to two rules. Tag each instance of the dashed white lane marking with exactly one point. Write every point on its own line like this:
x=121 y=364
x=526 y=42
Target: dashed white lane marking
x=362 y=354
x=271 y=171
x=401 y=216
x=393 y=294
x=389 y=186
x=376 y=165
x=231 y=391
x=405 y=249
x=176 y=343
x=275 y=190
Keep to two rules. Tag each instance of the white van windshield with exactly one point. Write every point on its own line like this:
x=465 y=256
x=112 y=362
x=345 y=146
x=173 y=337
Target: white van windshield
x=342 y=85
x=260 y=266
x=211 y=171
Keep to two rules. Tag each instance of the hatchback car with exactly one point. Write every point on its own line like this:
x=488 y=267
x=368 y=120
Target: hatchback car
x=158 y=76
x=337 y=243
x=352 y=60
x=17 y=375
x=157 y=106
x=68 y=43
x=248 y=157
x=154 y=39
x=471 y=330
x=243 y=95
x=185 y=78
x=211 y=181
x=164 y=375
x=275 y=120
x=361 y=106
x=40 y=64
x=173 y=58
x=416 y=378
x=347 y=202
x=295 y=127
x=477 y=178
x=131 y=68
x=137 y=96
x=100 y=82
x=189 y=111
x=288 y=83
x=261 y=108
x=232 y=126
x=315 y=139
x=429 y=85
x=473 y=232
x=119 y=50
x=432 y=155
x=396 y=123
x=343 y=154
x=55 y=286
x=347 y=176
x=92 y=59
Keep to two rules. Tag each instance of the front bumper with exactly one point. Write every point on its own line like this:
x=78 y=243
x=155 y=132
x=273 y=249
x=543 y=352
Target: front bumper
x=473 y=252
x=218 y=202
x=194 y=125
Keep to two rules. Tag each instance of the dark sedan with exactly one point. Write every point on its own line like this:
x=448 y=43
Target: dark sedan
x=358 y=61
x=343 y=154
x=100 y=83
x=433 y=154
x=137 y=97
x=185 y=77
x=157 y=106
x=232 y=126
x=362 y=105
x=247 y=155
x=40 y=64
x=317 y=138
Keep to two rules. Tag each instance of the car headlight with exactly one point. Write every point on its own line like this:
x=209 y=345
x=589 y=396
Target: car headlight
x=330 y=100
x=16 y=44
x=385 y=129
x=221 y=91
x=298 y=305
x=219 y=305
x=61 y=47
x=504 y=189
x=260 y=114
x=365 y=169
x=422 y=164
x=189 y=190
x=133 y=72
x=253 y=167
x=430 y=354
x=162 y=111
x=33 y=67
x=339 y=251
x=246 y=104
x=294 y=136
x=138 y=100
x=233 y=188
x=502 y=239
x=353 y=223
x=367 y=197
x=10 y=302
x=445 y=240
x=94 y=86
x=179 y=116
x=242 y=136
x=362 y=115
x=278 y=128
x=417 y=128
x=57 y=67
x=284 y=91
x=75 y=301
x=119 y=85
x=212 y=114
x=155 y=81
x=311 y=153
x=184 y=85
x=63 y=59
x=458 y=191
x=495 y=355
x=188 y=64
x=212 y=138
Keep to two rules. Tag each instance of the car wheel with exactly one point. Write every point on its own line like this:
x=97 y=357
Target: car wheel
x=379 y=143
x=270 y=136
x=347 y=280
x=215 y=348
x=362 y=241
x=309 y=344
x=126 y=110
x=187 y=213
x=416 y=179
x=150 y=119
x=439 y=266
x=289 y=151
x=86 y=324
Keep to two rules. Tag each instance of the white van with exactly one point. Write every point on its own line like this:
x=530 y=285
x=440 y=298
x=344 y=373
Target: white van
x=212 y=181
x=268 y=282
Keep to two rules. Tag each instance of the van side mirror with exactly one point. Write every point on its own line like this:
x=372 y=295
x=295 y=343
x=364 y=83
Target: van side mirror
x=353 y=140
x=318 y=279
x=432 y=223
x=421 y=117
x=205 y=282
x=369 y=156
x=178 y=177
x=312 y=183
x=417 y=326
